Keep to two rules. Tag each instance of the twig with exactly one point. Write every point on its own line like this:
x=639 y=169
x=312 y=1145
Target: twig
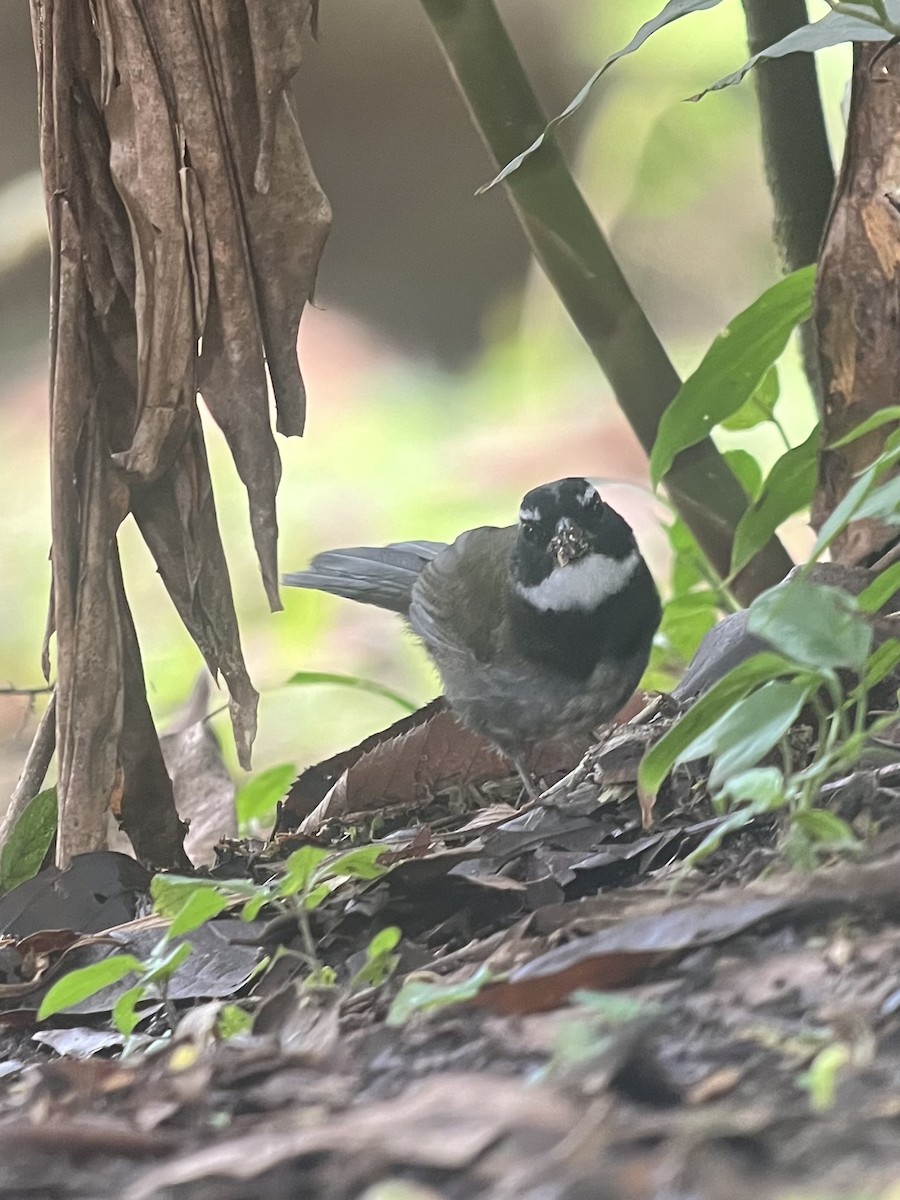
x=34 y=771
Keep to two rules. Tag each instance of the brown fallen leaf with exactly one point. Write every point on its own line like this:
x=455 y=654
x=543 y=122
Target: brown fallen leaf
x=445 y=1123
x=617 y=955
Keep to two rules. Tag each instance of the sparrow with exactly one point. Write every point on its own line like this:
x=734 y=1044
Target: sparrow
x=539 y=631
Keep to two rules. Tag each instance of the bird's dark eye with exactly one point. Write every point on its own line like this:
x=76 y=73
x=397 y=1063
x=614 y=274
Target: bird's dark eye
x=530 y=531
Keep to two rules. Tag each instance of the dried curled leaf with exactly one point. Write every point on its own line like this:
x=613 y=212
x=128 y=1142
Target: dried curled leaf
x=184 y=214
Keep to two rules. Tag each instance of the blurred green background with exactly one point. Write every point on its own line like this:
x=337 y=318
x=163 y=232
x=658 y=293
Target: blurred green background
x=444 y=378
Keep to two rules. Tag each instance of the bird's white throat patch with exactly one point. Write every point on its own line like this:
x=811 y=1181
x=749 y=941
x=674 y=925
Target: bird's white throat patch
x=581 y=585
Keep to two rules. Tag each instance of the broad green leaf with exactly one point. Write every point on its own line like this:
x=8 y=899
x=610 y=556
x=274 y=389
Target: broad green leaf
x=254 y=906
x=351 y=681
x=318 y=894
x=125 y=1016
x=381 y=961
x=165 y=961
x=29 y=841
x=419 y=995
x=170 y=892
x=813 y=624
x=880 y=589
x=671 y=12
x=299 y=869
x=753 y=726
x=747 y=718
x=257 y=798
x=819 y=825
x=831 y=30
x=733 y=367
x=746 y=470
x=361 y=863
x=688 y=561
x=78 y=985
x=788 y=488
x=199 y=907
x=686 y=620
x=759 y=407
x=759 y=785
x=384 y=941
x=883 y=417
x=659 y=759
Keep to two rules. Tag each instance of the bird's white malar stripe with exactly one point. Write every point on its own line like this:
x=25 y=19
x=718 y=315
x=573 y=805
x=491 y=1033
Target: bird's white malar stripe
x=529 y=514
x=582 y=585
x=587 y=496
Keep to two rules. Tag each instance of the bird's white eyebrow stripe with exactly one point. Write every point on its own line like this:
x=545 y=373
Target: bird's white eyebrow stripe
x=587 y=496
x=529 y=514
x=583 y=585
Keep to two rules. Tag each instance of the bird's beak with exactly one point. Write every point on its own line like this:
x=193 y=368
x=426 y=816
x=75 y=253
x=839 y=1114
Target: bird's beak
x=569 y=543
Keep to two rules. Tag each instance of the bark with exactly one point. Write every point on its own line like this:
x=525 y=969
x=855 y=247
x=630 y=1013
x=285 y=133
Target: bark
x=857 y=307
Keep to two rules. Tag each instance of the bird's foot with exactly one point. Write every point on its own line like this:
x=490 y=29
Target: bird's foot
x=532 y=791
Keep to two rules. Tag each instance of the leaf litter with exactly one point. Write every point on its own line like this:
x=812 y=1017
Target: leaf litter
x=569 y=1009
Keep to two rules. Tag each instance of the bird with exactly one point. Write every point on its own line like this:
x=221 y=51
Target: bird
x=540 y=631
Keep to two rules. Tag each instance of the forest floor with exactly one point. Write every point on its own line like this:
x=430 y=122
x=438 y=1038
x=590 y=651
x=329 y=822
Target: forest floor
x=580 y=1015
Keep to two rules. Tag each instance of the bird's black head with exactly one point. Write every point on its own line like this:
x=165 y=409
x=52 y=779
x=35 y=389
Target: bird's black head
x=572 y=551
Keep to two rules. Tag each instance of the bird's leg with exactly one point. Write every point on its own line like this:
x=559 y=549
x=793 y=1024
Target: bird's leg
x=532 y=790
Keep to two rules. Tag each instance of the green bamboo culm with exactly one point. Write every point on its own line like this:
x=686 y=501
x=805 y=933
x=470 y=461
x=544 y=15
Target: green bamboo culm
x=571 y=248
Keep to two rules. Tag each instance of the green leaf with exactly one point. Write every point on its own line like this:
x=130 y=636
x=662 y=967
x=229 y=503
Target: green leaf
x=746 y=470
x=232 y=1021
x=659 y=759
x=299 y=868
x=381 y=961
x=163 y=963
x=384 y=941
x=686 y=620
x=759 y=407
x=881 y=663
x=199 y=907
x=28 y=843
x=78 y=985
x=351 y=681
x=880 y=589
x=819 y=825
x=671 y=12
x=751 y=728
x=420 y=995
x=125 y=1016
x=361 y=863
x=820 y=1081
x=733 y=367
x=843 y=514
x=734 y=822
x=788 y=488
x=882 y=503
x=689 y=566
x=760 y=785
x=256 y=800
x=831 y=30
x=813 y=624
x=884 y=416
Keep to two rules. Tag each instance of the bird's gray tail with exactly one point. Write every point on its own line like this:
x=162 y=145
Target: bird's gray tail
x=379 y=575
